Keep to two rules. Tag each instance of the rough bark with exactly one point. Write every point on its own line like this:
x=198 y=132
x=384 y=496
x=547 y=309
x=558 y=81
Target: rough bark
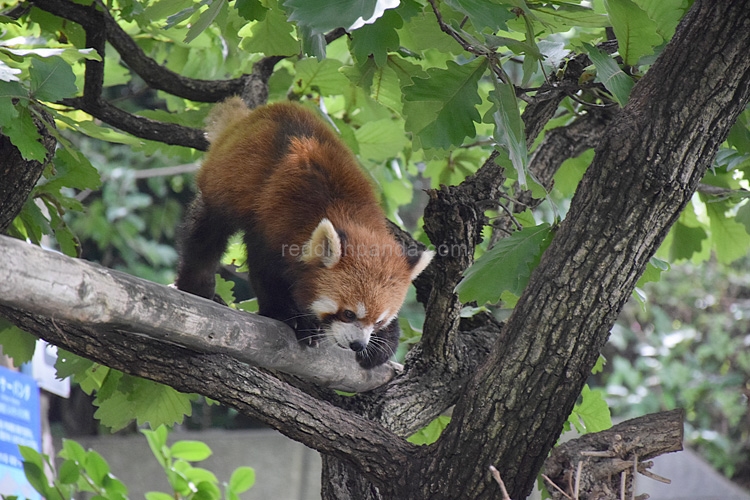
x=511 y=409
x=18 y=176
x=645 y=170
x=608 y=458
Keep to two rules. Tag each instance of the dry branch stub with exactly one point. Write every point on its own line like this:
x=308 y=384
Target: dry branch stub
x=602 y=465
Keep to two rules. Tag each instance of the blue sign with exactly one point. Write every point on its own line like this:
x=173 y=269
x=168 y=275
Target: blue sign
x=19 y=425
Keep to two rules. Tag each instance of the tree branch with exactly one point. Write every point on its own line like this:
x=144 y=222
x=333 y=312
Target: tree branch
x=77 y=292
x=647 y=166
x=605 y=454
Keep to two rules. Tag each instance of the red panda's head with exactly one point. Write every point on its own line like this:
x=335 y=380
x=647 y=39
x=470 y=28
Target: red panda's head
x=358 y=279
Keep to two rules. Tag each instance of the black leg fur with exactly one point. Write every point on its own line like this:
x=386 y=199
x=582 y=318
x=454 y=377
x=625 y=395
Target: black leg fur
x=202 y=240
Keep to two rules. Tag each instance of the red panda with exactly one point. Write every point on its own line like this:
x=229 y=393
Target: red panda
x=320 y=254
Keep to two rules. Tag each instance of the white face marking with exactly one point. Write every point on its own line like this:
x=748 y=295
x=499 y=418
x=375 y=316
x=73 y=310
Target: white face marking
x=361 y=310
x=346 y=333
x=386 y=314
x=323 y=306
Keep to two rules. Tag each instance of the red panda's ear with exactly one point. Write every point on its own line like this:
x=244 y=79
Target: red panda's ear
x=324 y=245
x=419 y=263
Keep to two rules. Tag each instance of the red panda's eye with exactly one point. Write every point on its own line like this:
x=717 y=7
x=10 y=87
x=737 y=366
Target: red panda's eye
x=348 y=316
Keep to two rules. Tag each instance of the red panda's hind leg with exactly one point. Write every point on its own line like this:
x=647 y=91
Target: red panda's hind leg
x=202 y=239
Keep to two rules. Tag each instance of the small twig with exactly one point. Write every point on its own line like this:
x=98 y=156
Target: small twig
x=604 y=454
x=552 y=483
x=623 y=478
x=635 y=474
x=655 y=477
x=496 y=474
x=578 y=479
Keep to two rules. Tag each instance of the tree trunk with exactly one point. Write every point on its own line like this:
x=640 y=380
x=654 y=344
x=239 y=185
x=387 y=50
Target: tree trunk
x=18 y=176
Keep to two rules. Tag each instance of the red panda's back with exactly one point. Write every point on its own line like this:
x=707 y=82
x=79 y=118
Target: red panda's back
x=283 y=168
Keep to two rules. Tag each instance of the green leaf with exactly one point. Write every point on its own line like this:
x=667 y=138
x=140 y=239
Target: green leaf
x=637 y=35
x=205 y=19
x=509 y=129
x=653 y=271
x=17 y=344
x=609 y=73
x=36 y=478
x=380 y=140
x=592 y=414
x=665 y=13
x=71 y=365
x=729 y=238
x=483 y=13
x=158 y=495
x=96 y=467
x=272 y=36
x=441 y=109
x=377 y=39
x=686 y=241
x=243 y=478
x=322 y=76
x=224 y=289
x=506 y=266
x=52 y=79
x=192 y=451
x=431 y=432
x=24 y=135
x=324 y=15
x=251 y=10
x=157 y=441
x=68 y=472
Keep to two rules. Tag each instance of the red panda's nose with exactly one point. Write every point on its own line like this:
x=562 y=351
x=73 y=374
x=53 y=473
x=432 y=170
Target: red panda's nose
x=358 y=346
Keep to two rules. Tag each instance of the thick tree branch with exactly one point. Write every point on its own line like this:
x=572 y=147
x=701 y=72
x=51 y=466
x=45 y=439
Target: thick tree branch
x=645 y=170
x=18 y=176
x=603 y=456
x=103 y=299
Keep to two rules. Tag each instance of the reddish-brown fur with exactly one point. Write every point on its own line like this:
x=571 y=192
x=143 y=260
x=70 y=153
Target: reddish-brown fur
x=276 y=172
x=289 y=198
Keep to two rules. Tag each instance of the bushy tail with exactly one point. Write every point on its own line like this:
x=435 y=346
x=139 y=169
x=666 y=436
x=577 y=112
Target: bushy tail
x=223 y=115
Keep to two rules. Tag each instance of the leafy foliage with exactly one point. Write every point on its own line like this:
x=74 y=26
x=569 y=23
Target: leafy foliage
x=81 y=471
x=423 y=95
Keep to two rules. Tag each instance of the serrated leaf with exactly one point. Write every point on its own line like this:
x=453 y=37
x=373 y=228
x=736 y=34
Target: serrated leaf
x=686 y=241
x=653 y=271
x=377 y=39
x=24 y=135
x=509 y=129
x=272 y=36
x=157 y=441
x=324 y=15
x=593 y=412
x=380 y=140
x=191 y=451
x=609 y=73
x=16 y=344
x=441 y=109
x=483 y=14
x=665 y=13
x=636 y=34
x=570 y=16
x=728 y=237
x=323 y=76
x=52 y=79
x=251 y=10
x=243 y=478
x=71 y=365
